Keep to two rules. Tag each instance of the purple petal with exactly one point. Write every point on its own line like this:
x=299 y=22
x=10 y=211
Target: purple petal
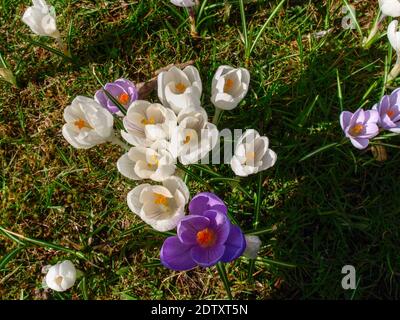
x=206 y=201
x=395 y=97
x=220 y=223
x=189 y=226
x=115 y=89
x=207 y=257
x=234 y=245
x=101 y=97
x=371 y=116
x=370 y=130
x=358 y=117
x=359 y=143
x=345 y=117
x=175 y=255
x=129 y=87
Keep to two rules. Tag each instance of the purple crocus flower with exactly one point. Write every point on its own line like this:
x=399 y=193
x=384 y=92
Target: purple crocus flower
x=122 y=90
x=204 y=237
x=360 y=126
x=389 y=111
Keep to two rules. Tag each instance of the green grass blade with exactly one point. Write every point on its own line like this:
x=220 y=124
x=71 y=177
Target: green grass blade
x=354 y=18
x=244 y=29
x=274 y=262
x=9 y=256
x=331 y=145
x=41 y=243
x=273 y=14
x=48 y=48
x=222 y=273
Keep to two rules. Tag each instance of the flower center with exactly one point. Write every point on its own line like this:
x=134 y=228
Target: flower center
x=187 y=139
x=356 y=129
x=228 y=85
x=390 y=113
x=123 y=98
x=180 y=87
x=160 y=199
x=154 y=161
x=58 y=280
x=80 y=124
x=206 y=237
x=148 y=121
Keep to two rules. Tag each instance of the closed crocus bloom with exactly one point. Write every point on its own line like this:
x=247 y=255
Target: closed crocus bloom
x=179 y=89
x=204 y=237
x=87 y=123
x=253 y=244
x=252 y=154
x=229 y=87
x=194 y=137
x=162 y=207
x=154 y=163
x=360 y=126
x=394 y=35
x=390 y=8
x=61 y=276
x=147 y=122
x=389 y=111
x=123 y=90
x=184 y=3
x=41 y=18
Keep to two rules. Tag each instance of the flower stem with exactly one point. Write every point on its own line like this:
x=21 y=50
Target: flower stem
x=63 y=47
x=217 y=115
x=395 y=70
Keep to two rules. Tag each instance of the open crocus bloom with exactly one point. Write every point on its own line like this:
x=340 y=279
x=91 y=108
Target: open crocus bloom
x=253 y=244
x=252 y=154
x=390 y=8
x=204 y=237
x=160 y=206
x=183 y=3
x=41 y=18
x=394 y=36
x=194 y=137
x=61 y=276
x=179 y=89
x=147 y=122
x=229 y=87
x=360 y=126
x=88 y=123
x=122 y=90
x=389 y=111
x=154 y=163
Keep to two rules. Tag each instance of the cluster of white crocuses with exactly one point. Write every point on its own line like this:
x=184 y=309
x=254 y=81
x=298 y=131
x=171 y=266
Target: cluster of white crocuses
x=162 y=134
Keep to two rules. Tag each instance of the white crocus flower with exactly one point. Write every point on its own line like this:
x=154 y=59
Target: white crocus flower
x=61 y=276
x=184 y=3
x=253 y=244
x=147 y=122
x=179 y=89
x=390 y=8
x=229 y=87
x=162 y=207
x=41 y=18
x=394 y=39
x=194 y=137
x=252 y=154
x=154 y=163
x=88 y=123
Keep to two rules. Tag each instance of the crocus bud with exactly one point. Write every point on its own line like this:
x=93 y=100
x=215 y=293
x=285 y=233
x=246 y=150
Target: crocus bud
x=61 y=276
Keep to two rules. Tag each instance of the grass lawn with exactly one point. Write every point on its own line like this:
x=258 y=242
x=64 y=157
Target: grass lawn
x=319 y=211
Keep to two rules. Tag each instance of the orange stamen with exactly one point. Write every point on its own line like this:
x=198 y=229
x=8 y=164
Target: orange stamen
x=206 y=237
x=123 y=98
x=160 y=199
x=80 y=124
x=228 y=85
x=180 y=87
x=356 y=130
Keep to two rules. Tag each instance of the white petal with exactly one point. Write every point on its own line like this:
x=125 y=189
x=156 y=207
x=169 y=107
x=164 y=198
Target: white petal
x=176 y=183
x=127 y=167
x=133 y=198
x=268 y=160
x=237 y=167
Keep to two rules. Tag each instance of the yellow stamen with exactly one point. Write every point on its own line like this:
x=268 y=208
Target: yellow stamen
x=123 y=98
x=148 y=121
x=80 y=124
x=187 y=139
x=180 y=87
x=228 y=85
x=160 y=199
x=356 y=129
x=154 y=159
